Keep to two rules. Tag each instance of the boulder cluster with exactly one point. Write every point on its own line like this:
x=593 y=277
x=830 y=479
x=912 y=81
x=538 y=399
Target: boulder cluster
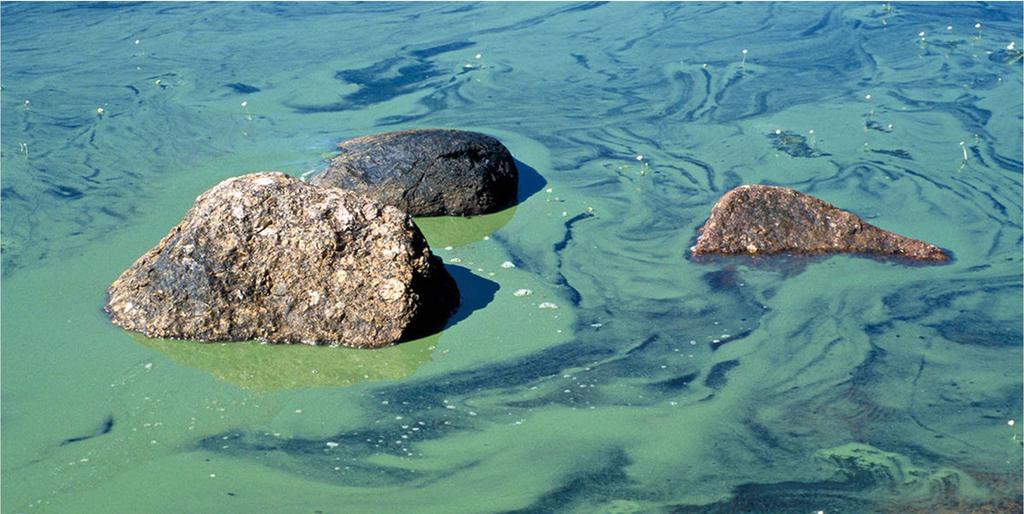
x=335 y=262
x=338 y=261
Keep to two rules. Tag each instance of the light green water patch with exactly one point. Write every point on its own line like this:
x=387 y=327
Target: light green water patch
x=263 y=367
x=442 y=231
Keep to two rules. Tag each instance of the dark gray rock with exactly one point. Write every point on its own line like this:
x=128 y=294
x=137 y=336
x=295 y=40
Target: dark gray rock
x=266 y=256
x=760 y=219
x=427 y=172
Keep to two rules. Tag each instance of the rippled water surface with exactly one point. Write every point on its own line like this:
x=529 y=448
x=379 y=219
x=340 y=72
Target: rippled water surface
x=658 y=384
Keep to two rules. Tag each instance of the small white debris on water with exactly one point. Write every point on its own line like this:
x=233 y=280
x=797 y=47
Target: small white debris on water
x=213 y=475
x=477 y=56
x=548 y=190
x=100 y=111
x=778 y=131
x=547 y=305
x=332 y=444
x=597 y=325
x=949 y=27
x=245 y=103
x=456 y=260
x=1011 y=423
x=148 y=366
x=298 y=411
x=639 y=157
x=507 y=265
x=136 y=41
x=522 y=292
x=564 y=214
x=449 y=248
x=1012 y=45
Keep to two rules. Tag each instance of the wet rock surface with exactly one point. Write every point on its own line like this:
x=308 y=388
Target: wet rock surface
x=756 y=219
x=427 y=172
x=269 y=257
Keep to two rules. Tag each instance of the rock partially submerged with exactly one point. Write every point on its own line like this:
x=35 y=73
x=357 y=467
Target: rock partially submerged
x=269 y=257
x=759 y=219
x=427 y=172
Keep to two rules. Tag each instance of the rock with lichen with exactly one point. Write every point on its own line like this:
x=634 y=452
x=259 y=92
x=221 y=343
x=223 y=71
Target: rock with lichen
x=427 y=172
x=269 y=257
x=757 y=219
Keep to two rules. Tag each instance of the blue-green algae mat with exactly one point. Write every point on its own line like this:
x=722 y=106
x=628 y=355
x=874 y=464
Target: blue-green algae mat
x=648 y=382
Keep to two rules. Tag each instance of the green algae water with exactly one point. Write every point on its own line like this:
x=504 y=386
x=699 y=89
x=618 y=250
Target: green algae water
x=593 y=367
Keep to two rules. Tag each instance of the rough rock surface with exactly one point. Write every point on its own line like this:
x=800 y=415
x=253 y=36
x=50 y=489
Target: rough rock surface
x=266 y=256
x=427 y=172
x=758 y=219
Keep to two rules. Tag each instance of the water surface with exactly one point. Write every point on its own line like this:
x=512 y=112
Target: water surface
x=657 y=384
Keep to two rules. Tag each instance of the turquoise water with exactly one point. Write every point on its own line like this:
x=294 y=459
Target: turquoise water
x=657 y=384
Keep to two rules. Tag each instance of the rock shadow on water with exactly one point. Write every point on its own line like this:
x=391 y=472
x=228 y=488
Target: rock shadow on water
x=476 y=292
x=456 y=231
x=530 y=182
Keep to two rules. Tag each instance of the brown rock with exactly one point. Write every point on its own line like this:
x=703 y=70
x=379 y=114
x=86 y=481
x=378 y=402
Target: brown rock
x=427 y=172
x=266 y=256
x=758 y=219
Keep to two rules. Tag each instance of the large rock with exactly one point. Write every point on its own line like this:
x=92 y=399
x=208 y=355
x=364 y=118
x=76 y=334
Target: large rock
x=427 y=172
x=269 y=257
x=766 y=219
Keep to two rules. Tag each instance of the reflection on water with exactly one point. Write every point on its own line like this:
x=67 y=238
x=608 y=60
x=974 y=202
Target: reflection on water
x=593 y=366
x=442 y=231
x=266 y=367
